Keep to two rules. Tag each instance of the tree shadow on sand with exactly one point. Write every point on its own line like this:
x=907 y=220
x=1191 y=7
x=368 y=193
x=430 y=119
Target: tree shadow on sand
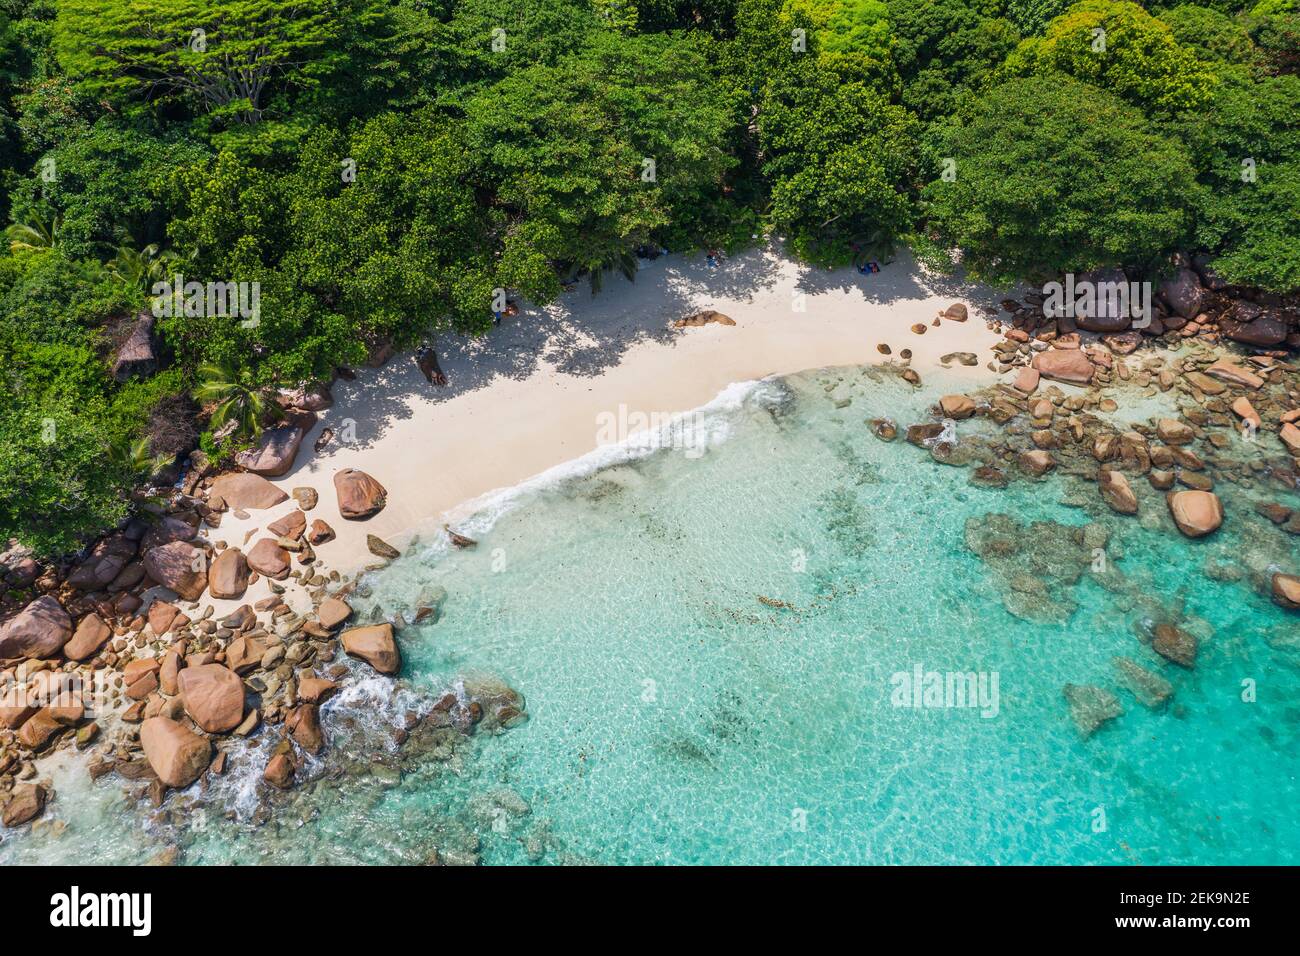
x=900 y=279
x=584 y=335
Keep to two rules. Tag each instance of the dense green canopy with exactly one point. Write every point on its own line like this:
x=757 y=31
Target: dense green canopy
x=382 y=169
x=1052 y=177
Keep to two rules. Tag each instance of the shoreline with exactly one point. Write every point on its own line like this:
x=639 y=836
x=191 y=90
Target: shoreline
x=1116 y=422
x=533 y=394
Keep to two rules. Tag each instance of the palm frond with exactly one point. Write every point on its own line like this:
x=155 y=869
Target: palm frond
x=229 y=409
x=133 y=457
x=33 y=235
x=139 y=268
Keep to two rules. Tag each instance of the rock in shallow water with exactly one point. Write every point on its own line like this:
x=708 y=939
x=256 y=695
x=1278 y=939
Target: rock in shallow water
x=26 y=803
x=316 y=690
x=1117 y=493
x=988 y=476
x=957 y=407
x=1036 y=463
x=884 y=429
x=303 y=724
x=381 y=548
x=1149 y=688
x=375 y=645
x=1286 y=590
x=279 y=772
x=1175 y=644
x=926 y=431
x=1053 y=555
x=178 y=756
x=1091 y=707
x=1196 y=513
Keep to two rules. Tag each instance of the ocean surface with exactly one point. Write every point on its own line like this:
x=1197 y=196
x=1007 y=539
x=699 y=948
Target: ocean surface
x=676 y=718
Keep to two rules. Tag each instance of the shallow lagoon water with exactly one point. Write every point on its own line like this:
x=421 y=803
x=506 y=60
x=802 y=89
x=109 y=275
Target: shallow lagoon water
x=676 y=718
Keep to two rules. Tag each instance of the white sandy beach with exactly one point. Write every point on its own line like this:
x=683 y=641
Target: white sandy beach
x=530 y=395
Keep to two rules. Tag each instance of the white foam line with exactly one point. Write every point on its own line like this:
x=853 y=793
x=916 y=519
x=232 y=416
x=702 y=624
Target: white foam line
x=479 y=515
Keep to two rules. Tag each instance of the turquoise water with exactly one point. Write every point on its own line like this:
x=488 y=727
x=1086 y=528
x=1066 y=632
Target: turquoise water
x=676 y=718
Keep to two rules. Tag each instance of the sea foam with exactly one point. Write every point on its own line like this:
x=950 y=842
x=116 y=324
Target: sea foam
x=695 y=430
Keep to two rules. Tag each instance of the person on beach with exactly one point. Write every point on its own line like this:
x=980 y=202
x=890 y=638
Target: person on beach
x=510 y=311
x=427 y=360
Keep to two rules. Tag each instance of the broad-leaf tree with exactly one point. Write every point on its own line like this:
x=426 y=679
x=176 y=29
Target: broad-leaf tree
x=221 y=57
x=841 y=161
x=1120 y=48
x=1052 y=176
x=597 y=155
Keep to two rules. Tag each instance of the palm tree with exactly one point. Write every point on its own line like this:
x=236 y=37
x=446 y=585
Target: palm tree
x=132 y=461
x=624 y=261
x=142 y=268
x=876 y=245
x=34 y=235
x=238 y=399
x=133 y=458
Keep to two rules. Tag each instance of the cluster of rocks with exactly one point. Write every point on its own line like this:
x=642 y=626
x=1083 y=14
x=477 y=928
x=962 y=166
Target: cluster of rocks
x=957 y=312
x=1091 y=706
x=1035 y=566
x=1044 y=429
x=1235 y=426
x=1193 y=302
x=407 y=737
x=1237 y=423
x=115 y=654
